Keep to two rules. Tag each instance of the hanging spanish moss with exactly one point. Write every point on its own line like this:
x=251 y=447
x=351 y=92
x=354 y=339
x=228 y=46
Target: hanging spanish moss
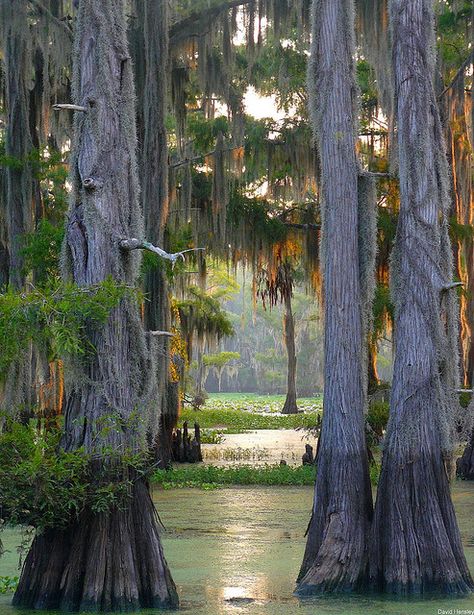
x=373 y=30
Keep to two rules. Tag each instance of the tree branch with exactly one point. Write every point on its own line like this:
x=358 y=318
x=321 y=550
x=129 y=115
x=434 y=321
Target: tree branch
x=141 y=244
x=304 y=227
x=467 y=61
x=67 y=107
x=181 y=163
x=39 y=6
x=378 y=175
x=181 y=30
x=451 y=286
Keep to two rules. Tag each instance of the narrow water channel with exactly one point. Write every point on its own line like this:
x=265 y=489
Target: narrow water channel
x=237 y=551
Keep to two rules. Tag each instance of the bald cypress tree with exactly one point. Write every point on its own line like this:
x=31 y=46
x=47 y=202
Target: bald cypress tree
x=416 y=545
x=112 y=559
x=335 y=556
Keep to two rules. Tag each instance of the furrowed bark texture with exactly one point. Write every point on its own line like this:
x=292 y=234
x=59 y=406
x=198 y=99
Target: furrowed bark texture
x=335 y=557
x=416 y=546
x=113 y=560
x=155 y=207
x=18 y=144
x=290 y=406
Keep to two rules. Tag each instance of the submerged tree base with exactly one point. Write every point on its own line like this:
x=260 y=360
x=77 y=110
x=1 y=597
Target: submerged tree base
x=416 y=547
x=290 y=406
x=335 y=559
x=111 y=561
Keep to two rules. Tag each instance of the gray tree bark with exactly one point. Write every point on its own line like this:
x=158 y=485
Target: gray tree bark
x=155 y=207
x=112 y=560
x=416 y=546
x=290 y=406
x=335 y=557
x=18 y=145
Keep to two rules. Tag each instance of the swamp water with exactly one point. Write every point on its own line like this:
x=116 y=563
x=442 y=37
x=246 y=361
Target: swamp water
x=238 y=550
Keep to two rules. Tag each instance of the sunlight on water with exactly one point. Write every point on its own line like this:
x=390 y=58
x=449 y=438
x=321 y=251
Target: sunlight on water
x=237 y=551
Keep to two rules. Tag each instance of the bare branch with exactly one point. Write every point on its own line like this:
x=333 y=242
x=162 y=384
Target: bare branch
x=161 y=333
x=67 y=107
x=181 y=163
x=192 y=25
x=378 y=175
x=137 y=244
x=465 y=64
x=451 y=286
x=304 y=227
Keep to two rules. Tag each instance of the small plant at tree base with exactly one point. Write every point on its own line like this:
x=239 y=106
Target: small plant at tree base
x=8 y=584
x=44 y=487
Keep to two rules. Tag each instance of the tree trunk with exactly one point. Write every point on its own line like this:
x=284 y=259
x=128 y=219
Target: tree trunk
x=416 y=546
x=290 y=406
x=111 y=560
x=201 y=372
x=373 y=376
x=335 y=557
x=18 y=144
x=465 y=465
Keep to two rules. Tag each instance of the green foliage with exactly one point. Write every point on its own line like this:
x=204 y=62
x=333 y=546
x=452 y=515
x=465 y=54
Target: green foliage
x=241 y=415
x=257 y=214
x=55 y=317
x=42 y=250
x=465 y=399
x=458 y=231
x=43 y=486
x=280 y=70
x=367 y=85
x=203 y=315
x=452 y=26
x=206 y=477
x=37 y=486
x=220 y=359
x=204 y=132
x=8 y=584
x=383 y=311
x=374 y=472
x=377 y=417
x=212 y=436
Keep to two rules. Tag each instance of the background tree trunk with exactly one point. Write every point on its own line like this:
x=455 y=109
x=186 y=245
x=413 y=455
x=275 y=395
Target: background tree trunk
x=416 y=545
x=111 y=560
x=18 y=143
x=155 y=206
x=290 y=406
x=335 y=556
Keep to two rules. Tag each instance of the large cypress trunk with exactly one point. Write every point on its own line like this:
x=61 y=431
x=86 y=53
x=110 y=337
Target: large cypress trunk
x=111 y=560
x=416 y=545
x=335 y=557
x=290 y=406
x=155 y=206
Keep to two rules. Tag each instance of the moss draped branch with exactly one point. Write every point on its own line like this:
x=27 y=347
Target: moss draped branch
x=141 y=244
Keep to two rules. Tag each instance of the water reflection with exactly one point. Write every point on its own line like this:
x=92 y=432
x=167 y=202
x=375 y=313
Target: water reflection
x=238 y=551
